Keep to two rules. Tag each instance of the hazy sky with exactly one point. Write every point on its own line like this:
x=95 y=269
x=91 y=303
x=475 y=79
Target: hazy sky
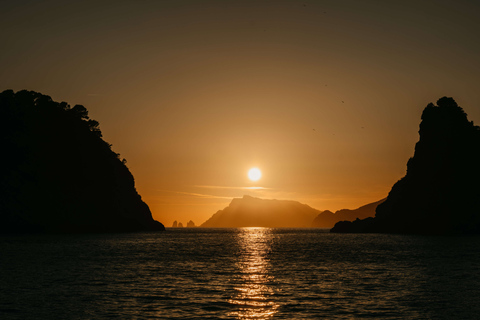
x=324 y=97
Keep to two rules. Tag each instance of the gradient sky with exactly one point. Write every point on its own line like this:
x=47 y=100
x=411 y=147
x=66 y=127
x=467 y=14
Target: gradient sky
x=324 y=97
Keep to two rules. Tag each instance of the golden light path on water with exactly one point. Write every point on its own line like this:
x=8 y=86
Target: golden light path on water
x=253 y=296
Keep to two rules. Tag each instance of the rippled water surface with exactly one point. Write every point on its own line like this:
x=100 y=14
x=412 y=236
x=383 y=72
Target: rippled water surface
x=252 y=273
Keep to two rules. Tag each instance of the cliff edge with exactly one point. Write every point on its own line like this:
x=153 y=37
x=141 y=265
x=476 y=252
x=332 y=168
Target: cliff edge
x=440 y=193
x=59 y=175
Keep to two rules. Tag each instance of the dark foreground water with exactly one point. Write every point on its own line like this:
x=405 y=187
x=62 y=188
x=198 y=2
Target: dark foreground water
x=239 y=273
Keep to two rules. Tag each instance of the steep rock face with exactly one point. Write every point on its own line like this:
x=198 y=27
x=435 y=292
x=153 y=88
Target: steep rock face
x=59 y=175
x=254 y=212
x=440 y=194
x=327 y=219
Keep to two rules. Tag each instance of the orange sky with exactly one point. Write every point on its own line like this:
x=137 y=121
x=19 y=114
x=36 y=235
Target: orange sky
x=324 y=97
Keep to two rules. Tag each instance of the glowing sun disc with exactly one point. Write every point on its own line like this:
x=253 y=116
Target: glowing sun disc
x=254 y=174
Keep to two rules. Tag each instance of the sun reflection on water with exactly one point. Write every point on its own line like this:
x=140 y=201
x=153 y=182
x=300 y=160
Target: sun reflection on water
x=253 y=297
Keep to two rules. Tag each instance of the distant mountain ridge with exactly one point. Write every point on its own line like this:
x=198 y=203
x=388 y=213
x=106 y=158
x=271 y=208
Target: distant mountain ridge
x=440 y=193
x=327 y=218
x=255 y=212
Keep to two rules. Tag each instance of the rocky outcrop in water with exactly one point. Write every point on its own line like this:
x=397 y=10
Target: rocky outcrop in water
x=255 y=212
x=440 y=193
x=59 y=175
x=327 y=219
x=191 y=224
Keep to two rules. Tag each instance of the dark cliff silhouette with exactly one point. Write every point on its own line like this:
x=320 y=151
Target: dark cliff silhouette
x=440 y=193
x=327 y=219
x=59 y=175
x=254 y=212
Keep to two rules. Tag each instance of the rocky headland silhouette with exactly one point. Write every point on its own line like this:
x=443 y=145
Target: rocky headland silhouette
x=327 y=218
x=440 y=193
x=255 y=212
x=59 y=175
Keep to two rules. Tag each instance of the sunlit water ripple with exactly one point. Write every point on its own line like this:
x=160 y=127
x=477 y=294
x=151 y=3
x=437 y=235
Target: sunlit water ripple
x=252 y=273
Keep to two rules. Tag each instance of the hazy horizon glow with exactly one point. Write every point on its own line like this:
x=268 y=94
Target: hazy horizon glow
x=324 y=96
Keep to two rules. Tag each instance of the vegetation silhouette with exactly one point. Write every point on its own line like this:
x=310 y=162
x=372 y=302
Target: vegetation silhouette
x=59 y=175
x=327 y=219
x=440 y=193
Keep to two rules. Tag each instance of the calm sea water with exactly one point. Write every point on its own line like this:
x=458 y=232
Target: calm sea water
x=253 y=273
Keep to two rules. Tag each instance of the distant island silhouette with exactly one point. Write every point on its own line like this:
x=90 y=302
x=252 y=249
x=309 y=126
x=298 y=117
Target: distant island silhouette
x=327 y=219
x=440 y=193
x=255 y=212
x=59 y=175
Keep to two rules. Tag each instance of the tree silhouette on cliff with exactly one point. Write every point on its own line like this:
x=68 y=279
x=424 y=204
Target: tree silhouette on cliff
x=59 y=175
x=440 y=193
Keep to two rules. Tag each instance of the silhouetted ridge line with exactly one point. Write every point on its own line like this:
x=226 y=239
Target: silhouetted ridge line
x=59 y=175
x=440 y=193
x=255 y=212
x=327 y=219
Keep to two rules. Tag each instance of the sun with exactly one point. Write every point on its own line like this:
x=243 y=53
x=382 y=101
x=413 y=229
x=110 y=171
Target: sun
x=254 y=174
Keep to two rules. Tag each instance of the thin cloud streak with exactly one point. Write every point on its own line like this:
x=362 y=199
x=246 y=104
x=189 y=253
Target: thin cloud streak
x=233 y=188
x=201 y=195
x=315 y=201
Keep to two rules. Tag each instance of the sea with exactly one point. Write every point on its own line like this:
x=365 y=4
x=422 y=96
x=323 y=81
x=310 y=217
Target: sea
x=245 y=273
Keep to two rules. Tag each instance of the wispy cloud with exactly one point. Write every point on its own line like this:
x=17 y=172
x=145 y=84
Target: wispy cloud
x=232 y=188
x=201 y=195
